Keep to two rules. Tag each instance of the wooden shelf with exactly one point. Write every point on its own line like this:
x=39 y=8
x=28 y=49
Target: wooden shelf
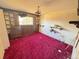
x=9 y=20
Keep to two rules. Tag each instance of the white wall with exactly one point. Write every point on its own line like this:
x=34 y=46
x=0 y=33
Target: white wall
x=4 y=42
x=61 y=18
x=64 y=36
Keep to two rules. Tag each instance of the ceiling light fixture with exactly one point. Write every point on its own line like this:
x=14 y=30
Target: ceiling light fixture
x=38 y=12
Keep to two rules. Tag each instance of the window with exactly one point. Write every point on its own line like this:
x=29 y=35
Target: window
x=25 y=20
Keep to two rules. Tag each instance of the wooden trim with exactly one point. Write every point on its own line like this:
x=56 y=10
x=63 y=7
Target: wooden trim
x=78 y=4
x=78 y=11
x=7 y=9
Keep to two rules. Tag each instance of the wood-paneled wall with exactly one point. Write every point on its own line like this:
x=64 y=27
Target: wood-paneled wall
x=78 y=9
x=17 y=30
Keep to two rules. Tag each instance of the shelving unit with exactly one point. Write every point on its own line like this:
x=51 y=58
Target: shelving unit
x=10 y=20
x=7 y=21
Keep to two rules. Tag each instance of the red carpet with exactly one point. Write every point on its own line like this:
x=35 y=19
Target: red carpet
x=37 y=46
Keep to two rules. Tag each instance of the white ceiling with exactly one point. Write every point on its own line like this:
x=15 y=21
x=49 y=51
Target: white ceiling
x=46 y=5
x=58 y=11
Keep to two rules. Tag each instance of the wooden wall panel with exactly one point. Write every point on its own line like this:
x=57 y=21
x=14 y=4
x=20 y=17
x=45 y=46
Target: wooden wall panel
x=15 y=29
x=78 y=9
x=26 y=30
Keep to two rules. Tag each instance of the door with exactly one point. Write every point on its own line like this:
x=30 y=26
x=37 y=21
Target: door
x=4 y=42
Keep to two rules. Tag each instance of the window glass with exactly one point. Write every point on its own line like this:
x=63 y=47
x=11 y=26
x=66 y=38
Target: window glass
x=25 y=20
